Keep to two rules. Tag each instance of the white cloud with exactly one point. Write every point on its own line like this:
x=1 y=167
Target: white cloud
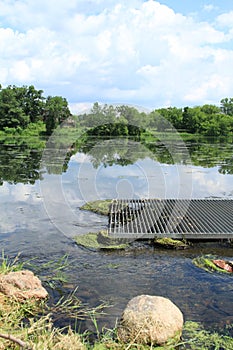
x=209 y=181
x=138 y=52
x=226 y=19
x=210 y=7
x=79 y=108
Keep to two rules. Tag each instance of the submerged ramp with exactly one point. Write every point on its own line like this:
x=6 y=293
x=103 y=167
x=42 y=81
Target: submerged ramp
x=175 y=218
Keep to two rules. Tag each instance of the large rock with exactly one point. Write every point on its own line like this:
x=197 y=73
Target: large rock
x=22 y=285
x=150 y=320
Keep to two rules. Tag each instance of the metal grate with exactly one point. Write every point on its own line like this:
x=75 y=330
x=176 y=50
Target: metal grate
x=176 y=218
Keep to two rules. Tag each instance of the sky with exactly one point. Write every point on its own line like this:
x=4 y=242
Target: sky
x=147 y=53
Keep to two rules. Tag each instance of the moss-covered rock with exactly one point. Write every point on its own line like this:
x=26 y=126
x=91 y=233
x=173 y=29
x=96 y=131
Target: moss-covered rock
x=99 y=206
x=207 y=263
x=170 y=243
x=99 y=240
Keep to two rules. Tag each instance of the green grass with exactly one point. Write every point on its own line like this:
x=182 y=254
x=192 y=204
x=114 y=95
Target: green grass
x=7 y=265
x=197 y=338
x=30 y=324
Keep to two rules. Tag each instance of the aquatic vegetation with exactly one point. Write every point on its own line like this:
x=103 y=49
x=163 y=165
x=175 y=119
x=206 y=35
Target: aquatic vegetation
x=99 y=240
x=52 y=272
x=195 y=337
x=207 y=263
x=167 y=242
x=99 y=206
x=29 y=325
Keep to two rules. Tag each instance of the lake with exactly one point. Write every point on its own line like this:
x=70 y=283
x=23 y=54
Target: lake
x=42 y=190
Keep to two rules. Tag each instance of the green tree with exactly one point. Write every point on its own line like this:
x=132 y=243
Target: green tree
x=104 y=121
x=165 y=118
x=192 y=119
x=135 y=121
x=56 y=111
x=210 y=109
x=31 y=101
x=11 y=113
x=215 y=123
x=159 y=119
x=227 y=106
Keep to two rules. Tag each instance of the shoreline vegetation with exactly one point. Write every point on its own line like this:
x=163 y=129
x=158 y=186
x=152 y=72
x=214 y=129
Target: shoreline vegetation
x=24 y=108
x=27 y=119
x=28 y=324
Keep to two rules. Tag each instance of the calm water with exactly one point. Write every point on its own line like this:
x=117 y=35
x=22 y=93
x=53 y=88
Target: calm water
x=40 y=200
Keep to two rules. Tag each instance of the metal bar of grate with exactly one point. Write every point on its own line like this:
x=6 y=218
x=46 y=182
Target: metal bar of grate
x=176 y=218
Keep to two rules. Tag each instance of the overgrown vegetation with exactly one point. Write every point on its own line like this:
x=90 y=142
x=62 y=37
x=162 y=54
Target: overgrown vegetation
x=39 y=333
x=29 y=325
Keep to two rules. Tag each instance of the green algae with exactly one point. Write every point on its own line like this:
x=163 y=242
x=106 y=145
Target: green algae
x=99 y=206
x=171 y=243
x=206 y=263
x=99 y=240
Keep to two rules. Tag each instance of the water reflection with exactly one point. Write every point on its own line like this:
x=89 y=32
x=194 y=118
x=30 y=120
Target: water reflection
x=19 y=163
x=20 y=159
x=115 y=168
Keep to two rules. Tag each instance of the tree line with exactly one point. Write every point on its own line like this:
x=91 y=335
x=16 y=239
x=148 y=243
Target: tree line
x=208 y=119
x=20 y=106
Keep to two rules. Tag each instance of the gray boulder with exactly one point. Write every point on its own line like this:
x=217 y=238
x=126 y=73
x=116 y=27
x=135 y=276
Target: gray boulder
x=150 y=320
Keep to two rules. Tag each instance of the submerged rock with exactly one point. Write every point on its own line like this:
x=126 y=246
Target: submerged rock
x=171 y=243
x=213 y=264
x=22 y=285
x=150 y=320
x=99 y=206
x=225 y=265
x=99 y=240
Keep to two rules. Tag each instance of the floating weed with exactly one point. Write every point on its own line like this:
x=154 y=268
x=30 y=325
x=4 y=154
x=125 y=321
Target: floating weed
x=55 y=265
x=52 y=272
x=197 y=338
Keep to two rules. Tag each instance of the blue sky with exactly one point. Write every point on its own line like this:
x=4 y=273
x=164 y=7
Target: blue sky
x=148 y=53
x=199 y=6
